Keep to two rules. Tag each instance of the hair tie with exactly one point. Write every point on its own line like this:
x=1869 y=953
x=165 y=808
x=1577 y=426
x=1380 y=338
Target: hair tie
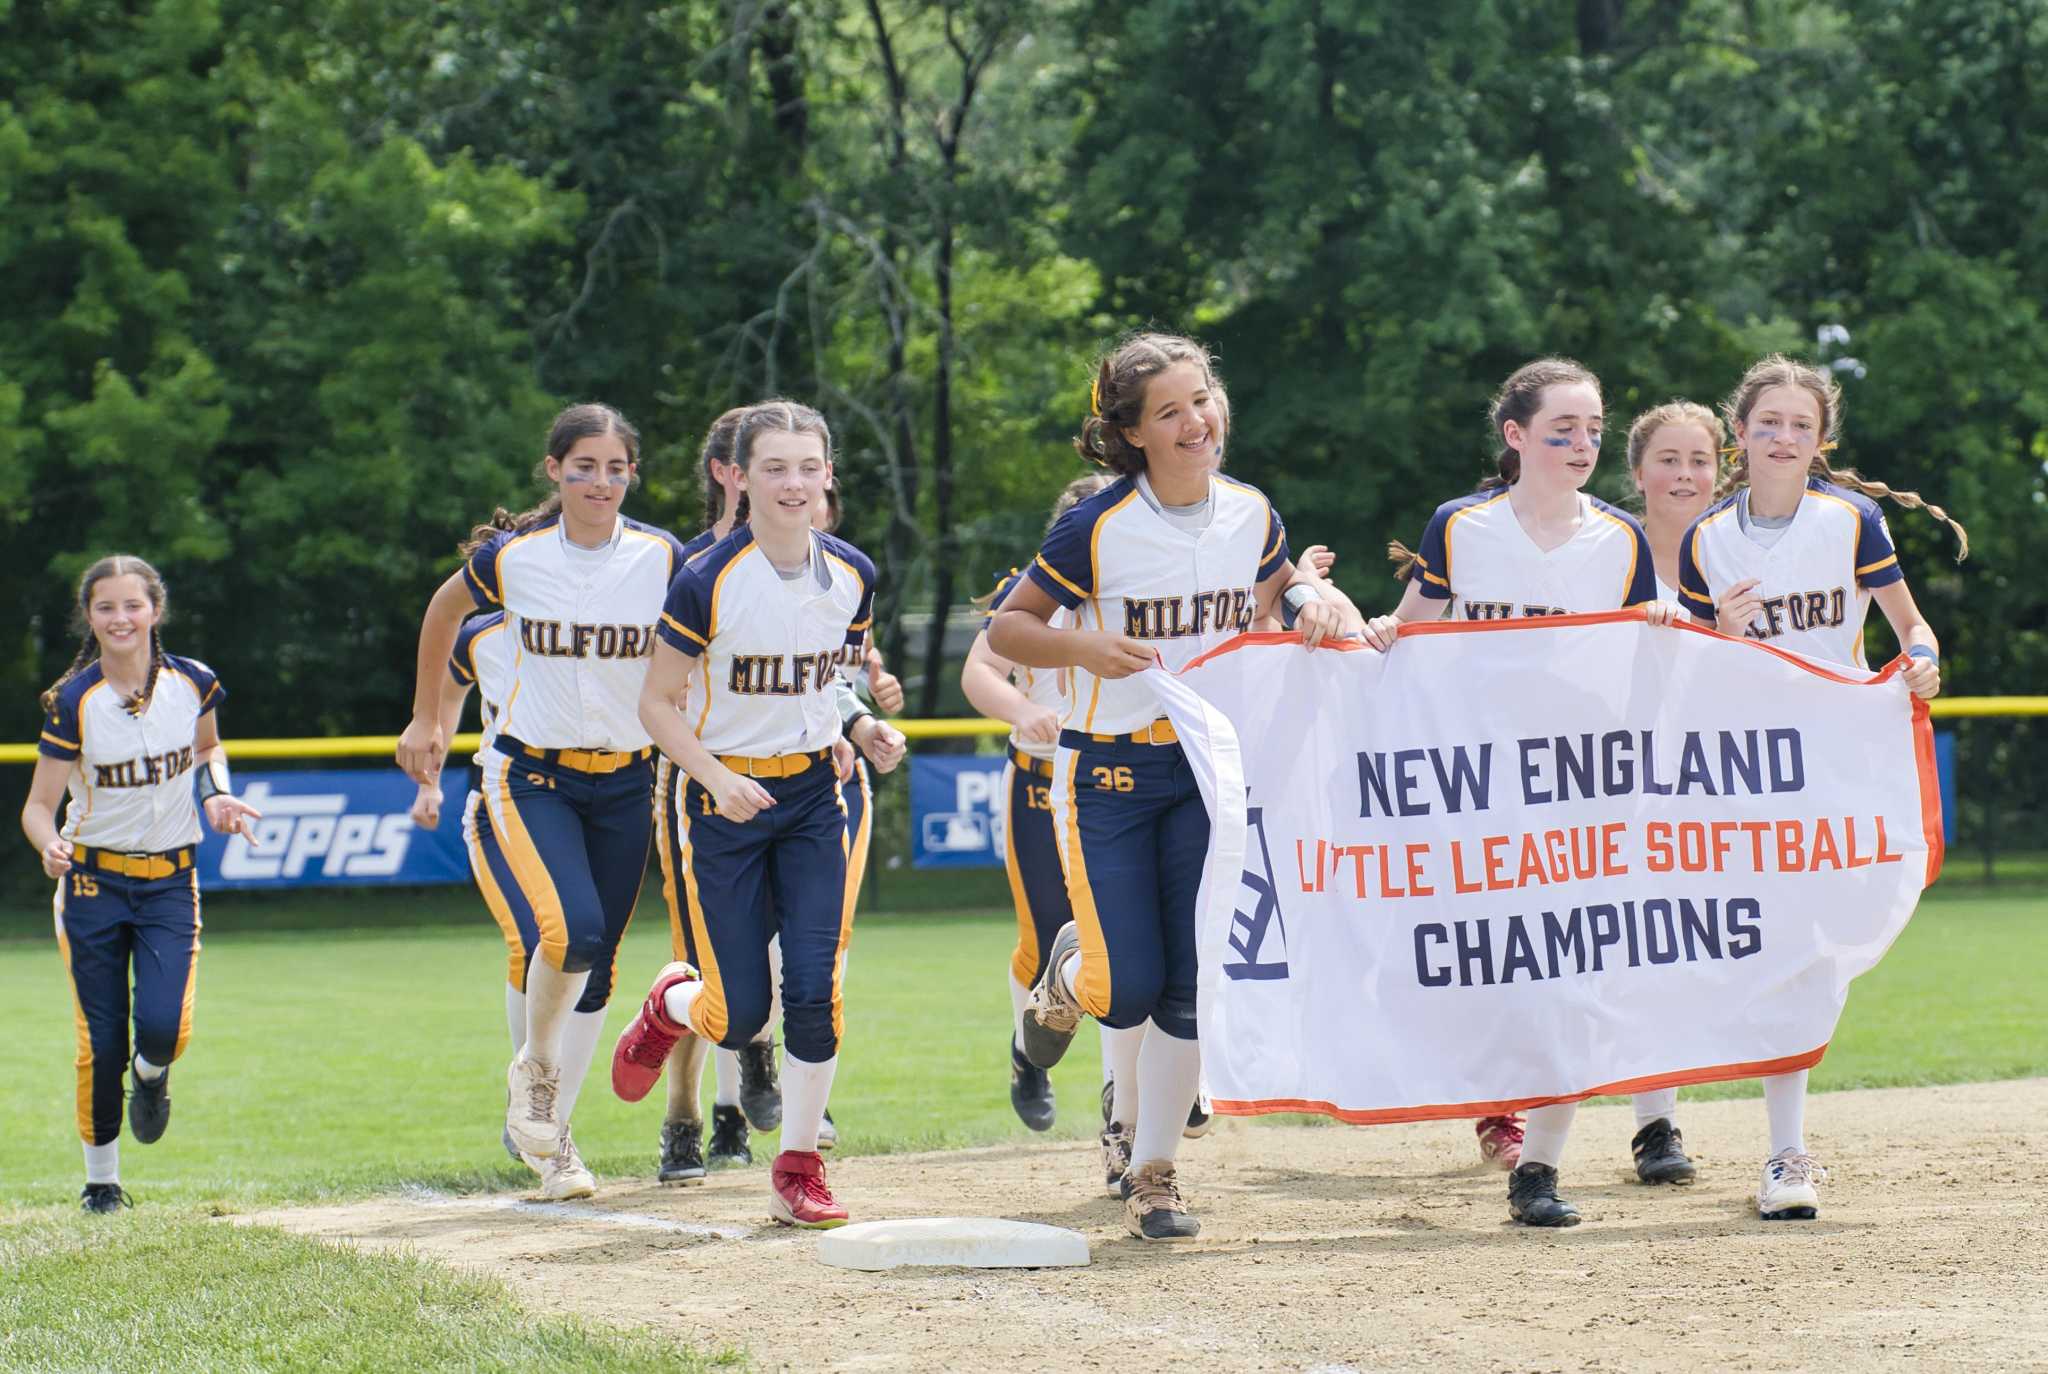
x=1095 y=397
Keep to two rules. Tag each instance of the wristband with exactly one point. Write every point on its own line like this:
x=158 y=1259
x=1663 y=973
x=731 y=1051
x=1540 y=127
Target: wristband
x=1293 y=599
x=214 y=780
x=1922 y=651
x=853 y=720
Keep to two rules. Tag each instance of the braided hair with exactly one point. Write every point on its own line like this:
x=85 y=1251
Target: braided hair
x=114 y=565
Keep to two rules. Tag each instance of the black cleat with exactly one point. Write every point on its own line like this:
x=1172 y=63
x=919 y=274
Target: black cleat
x=1052 y=1015
x=1533 y=1199
x=149 y=1106
x=682 y=1152
x=1153 y=1209
x=103 y=1199
x=828 y=1132
x=760 y=1093
x=1659 y=1149
x=1200 y=1119
x=729 y=1138
x=1030 y=1092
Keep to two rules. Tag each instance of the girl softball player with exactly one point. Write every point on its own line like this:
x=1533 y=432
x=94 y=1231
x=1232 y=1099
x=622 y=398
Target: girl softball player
x=124 y=730
x=1531 y=542
x=761 y=822
x=568 y=776
x=1165 y=561
x=1793 y=555
x=1031 y=702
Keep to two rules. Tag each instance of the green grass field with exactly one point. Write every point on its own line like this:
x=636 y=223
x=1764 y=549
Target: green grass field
x=332 y=1062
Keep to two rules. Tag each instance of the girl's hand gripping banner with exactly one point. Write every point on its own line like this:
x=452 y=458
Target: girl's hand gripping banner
x=1517 y=862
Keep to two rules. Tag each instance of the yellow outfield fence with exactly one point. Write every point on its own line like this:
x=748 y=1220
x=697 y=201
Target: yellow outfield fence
x=957 y=727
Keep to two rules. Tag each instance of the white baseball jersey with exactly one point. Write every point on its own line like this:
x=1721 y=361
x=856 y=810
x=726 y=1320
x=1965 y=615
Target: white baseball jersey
x=1041 y=686
x=1476 y=555
x=580 y=624
x=483 y=658
x=1815 y=580
x=770 y=646
x=1119 y=565
x=1665 y=591
x=131 y=783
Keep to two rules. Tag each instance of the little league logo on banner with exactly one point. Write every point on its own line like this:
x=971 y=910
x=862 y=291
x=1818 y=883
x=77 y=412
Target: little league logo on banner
x=1518 y=862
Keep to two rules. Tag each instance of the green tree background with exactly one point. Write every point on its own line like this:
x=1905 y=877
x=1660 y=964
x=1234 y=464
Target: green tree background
x=296 y=290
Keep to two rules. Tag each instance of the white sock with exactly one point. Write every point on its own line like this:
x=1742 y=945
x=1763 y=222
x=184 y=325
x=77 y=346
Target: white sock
x=728 y=1069
x=1651 y=1105
x=1120 y=1063
x=678 y=1000
x=1019 y=995
x=1544 y=1134
x=1169 y=1071
x=579 y=1047
x=148 y=1072
x=1785 y=1104
x=1070 y=974
x=550 y=1000
x=515 y=1016
x=103 y=1162
x=806 y=1088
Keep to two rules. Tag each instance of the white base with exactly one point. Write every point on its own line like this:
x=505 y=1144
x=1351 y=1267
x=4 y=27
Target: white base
x=970 y=1242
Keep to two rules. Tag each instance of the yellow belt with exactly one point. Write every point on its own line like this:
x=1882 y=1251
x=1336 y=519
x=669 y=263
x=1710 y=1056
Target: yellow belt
x=1158 y=732
x=587 y=760
x=1042 y=767
x=159 y=865
x=775 y=765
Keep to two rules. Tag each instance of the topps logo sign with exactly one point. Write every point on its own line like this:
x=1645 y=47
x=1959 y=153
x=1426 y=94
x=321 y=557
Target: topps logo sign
x=316 y=829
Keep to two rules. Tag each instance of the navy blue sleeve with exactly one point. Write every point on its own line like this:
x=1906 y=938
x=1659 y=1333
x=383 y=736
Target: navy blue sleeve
x=202 y=678
x=462 y=659
x=1433 y=562
x=1692 y=578
x=864 y=614
x=60 y=738
x=480 y=572
x=1877 y=560
x=1642 y=581
x=1065 y=566
x=1276 y=544
x=686 y=615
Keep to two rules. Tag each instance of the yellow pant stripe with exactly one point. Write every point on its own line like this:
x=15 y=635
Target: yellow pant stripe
x=707 y=1013
x=1092 y=989
x=191 y=979
x=1024 y=959
x=474 y=817
x=528 y=869
x=84 y=1061
x=856 y=848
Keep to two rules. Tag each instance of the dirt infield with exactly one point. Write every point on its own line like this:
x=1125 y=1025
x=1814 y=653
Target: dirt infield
x=1327 y=1248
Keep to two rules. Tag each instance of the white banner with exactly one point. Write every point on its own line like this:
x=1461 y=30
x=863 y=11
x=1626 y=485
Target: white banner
x=1527 y=861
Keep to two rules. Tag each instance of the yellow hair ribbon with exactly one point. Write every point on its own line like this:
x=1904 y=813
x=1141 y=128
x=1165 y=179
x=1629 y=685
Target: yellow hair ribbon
x=1095 y=397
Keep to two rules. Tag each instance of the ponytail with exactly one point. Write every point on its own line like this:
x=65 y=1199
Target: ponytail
x=1878 y=491
x=1508 y=471
x=87 y=655
x=1403 y=558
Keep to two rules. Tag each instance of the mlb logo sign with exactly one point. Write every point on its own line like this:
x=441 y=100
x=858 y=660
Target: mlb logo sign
x=956 y=811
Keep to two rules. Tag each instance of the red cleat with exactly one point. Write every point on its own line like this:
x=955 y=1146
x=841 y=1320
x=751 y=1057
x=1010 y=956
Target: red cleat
x=642 y=1051
x=1500 y=1140
x=800 y=1197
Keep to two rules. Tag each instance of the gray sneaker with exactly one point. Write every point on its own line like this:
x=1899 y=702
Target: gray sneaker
x=1153 y=1209
x=1052 y=1016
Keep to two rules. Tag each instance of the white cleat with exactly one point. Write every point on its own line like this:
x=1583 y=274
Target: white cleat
x=563 y=1174
x=828 y=1134
x=1788 y=1190
x=530 y=1112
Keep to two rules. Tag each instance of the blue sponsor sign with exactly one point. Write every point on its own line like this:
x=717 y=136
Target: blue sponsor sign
x=956 y=810
x=338 y=829
x=1945 y=770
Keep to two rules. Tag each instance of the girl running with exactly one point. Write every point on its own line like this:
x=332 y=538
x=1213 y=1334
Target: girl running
x=761 y=821
x=124 y=729
x=1530 y=542
x=1031 y=702
x=1793 y=555
x=1167 y=560
x=567 y=778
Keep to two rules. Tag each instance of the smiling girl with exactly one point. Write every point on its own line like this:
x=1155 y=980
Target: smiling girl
x=1793 y=557
x=124 y=731
x=1168 y=560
